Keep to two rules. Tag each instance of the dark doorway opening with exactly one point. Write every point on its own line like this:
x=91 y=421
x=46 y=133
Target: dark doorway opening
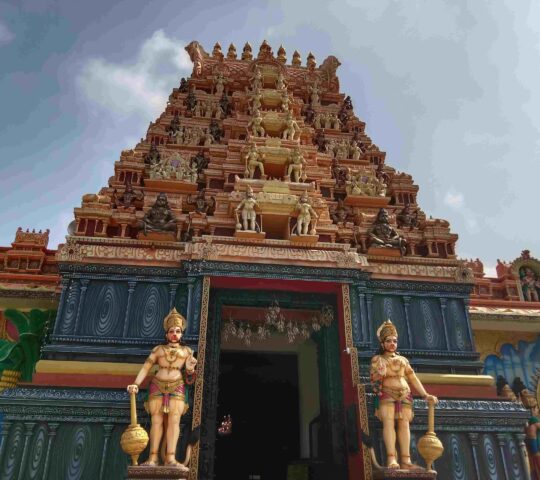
x=260 y=392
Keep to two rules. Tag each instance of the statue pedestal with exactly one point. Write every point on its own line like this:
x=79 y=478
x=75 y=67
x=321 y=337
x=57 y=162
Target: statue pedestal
x=157 y=236
x=250 y=234
x=304 y=238
x=398 y=474
x=384 y=251
x=145 y=472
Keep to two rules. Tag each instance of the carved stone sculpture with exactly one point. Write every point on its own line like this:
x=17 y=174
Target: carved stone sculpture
x=127 y=198
x=296 y=165
x=407 y=218
x=390 y=377
x=304 y=222
x=254 y=161
x=167 y=395
x=291 y=128
x=257 y=130
x=159 y=218
x=246 y=210
x=382 y=234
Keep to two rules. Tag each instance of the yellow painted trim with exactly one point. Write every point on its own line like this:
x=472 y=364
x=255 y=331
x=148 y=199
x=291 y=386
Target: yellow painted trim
x=87 y=368
x=451 y=379
x=26 y=304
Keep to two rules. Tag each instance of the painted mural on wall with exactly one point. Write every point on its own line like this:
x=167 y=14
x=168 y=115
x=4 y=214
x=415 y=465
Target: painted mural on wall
x=521 y=361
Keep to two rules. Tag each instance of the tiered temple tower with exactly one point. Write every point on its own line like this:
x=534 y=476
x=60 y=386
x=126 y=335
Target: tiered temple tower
x=257 y=187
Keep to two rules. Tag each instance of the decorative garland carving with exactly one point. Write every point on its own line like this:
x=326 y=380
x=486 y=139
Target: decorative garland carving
x=355 y=371
x=199 y=385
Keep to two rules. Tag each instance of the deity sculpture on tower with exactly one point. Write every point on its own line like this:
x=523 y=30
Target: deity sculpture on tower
x=382 y=234
x=246 y=208
x=167 y=399
x=254 y=161
x=304 y=220
x=159 y=218
x=391 y=374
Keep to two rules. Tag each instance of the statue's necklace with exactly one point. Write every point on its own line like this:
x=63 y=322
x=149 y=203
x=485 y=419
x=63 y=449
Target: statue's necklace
x=171 y=354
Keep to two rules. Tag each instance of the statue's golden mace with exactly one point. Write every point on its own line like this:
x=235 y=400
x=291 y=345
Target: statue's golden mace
x=429 y=446
x=134 y=439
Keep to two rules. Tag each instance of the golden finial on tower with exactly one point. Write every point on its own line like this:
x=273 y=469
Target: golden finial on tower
x=265 y=50
x=296 y=60
x=217 y=53
x=282 y=54
x=247 y=52
x=231 y=53
x=311 y=63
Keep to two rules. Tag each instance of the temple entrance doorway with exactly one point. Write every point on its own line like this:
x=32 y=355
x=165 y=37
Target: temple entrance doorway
x=259 y=390
x=273 y=364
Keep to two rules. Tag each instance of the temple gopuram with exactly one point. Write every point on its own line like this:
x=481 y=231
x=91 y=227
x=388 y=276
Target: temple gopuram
x=259 y=208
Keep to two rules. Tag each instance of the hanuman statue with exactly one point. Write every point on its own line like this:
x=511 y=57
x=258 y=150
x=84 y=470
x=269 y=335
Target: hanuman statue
x=390 y=377
x=166 y=393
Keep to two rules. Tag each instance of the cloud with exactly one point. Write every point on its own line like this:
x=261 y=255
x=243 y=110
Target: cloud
x=6 y=36
x=140 y=87
x=454 y=199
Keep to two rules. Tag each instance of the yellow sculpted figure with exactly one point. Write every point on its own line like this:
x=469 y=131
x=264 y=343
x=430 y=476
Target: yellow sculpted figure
x=390 y=376
x=167 y=401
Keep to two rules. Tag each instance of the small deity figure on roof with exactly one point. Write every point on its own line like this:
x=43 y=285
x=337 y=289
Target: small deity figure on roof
x=255 y=124
x=285 y=101
x=315 y=90
x=257 y=79
x=341 y=212
x=127 y=198
x=355 y=151
x=202 y=204
x=255 y=97
x=219 y=84
x=321 y=142
x=215 y=131
x=305 y=214
x=339 y=173
x=296 y=165
x=280 y=82
x=159 y=218
x=381 y=174
x=391 y=375
x=530 y=284
x=254 y=160
x=191 y=99
x=407 y=218
x=291 y=128
x=183 y=88
x=309 y=114
x=225 y=104
x=153 y=156
x=199 y=161
x=175 y=123
x=382 y=234
x=246 y=209
x=167 y=391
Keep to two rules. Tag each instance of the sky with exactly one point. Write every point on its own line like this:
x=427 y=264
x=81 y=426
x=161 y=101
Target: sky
x=450 y=90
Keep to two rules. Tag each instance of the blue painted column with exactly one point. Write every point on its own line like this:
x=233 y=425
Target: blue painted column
x=53 y=427
x=108 y=428
x=6 y=426
x=63 y=297
x=84 y=287
x=28 y=430
x=406 y=303
x=501 y=438
x=442 y=303
x=473 y=438
x=364 y=320
x=131 y=288
x=173 y=287
x=369 y=302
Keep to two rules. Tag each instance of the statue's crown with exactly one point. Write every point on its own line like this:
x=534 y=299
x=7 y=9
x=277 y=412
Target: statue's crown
x=174 y=319
x=385 y=330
